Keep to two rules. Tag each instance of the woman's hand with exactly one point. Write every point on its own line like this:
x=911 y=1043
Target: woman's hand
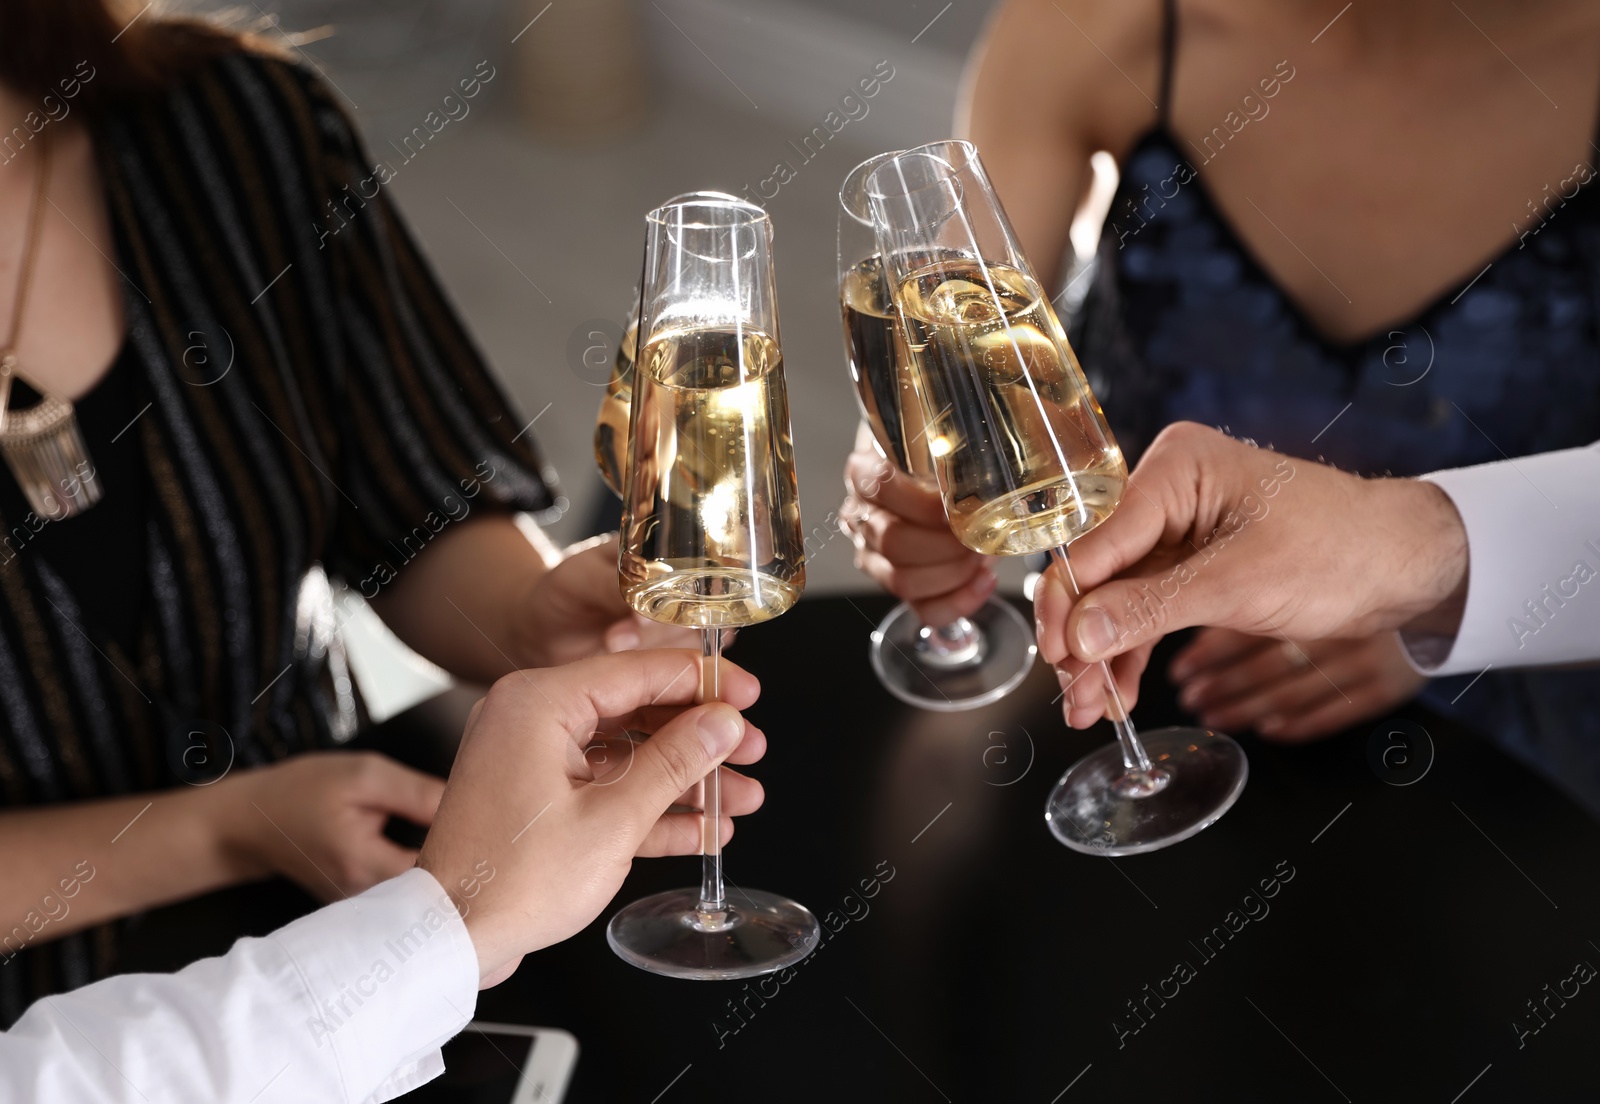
x=1291 y=691
x=492 y=596
x=317 y=819
x=575 y=610
x=903 y=541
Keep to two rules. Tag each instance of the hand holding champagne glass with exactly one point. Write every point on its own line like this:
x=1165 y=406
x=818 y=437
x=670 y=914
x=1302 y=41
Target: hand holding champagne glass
x=973 y=660
x=710 y=533
x=1027 y=464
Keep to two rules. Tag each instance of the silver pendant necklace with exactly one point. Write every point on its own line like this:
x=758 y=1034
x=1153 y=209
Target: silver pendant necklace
x=42 y=444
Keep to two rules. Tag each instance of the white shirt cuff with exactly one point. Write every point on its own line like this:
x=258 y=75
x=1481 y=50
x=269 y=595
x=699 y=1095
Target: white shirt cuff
x=391 y=975
x=1533 y=588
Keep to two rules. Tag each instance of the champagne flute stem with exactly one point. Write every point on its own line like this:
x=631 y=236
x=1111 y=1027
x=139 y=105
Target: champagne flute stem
x=957 y=636
x=712 y=901
x=1133 y=753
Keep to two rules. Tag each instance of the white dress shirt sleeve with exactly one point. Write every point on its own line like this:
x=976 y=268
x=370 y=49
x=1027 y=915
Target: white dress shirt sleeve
x=350 y=1004
x=1533 y=584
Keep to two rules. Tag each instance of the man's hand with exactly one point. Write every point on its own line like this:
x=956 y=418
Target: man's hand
x=1212 y=531
x=531 y=840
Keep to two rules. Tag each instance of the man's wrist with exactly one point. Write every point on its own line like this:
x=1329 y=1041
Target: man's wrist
x=1428 y=591
x=493 y=940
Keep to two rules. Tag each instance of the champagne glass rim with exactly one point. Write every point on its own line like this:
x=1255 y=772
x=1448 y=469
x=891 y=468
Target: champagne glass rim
x=875 y=185
x=853 y=195
x=701 y=193
x=967 y=150
x=745 y=212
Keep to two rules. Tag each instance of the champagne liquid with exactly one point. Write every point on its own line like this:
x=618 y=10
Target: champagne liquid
x=611 y=428
x=712 y=515
x=1025 y=461
x=881 y=369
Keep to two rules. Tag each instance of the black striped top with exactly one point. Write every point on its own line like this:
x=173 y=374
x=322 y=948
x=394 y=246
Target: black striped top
x=313 y=400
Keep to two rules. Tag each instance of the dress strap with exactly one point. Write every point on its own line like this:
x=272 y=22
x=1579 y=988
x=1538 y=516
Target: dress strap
x=1169 y=56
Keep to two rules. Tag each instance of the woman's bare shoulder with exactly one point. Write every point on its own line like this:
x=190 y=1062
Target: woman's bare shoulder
x=1086 y=66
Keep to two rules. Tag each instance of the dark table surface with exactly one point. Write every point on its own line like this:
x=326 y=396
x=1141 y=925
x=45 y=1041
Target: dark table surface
x=1406 y=926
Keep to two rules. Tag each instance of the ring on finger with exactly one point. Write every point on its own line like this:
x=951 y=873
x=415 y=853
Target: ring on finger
x=857 y=525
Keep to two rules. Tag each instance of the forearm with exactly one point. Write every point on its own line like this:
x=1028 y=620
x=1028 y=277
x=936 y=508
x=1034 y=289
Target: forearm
x=75 y=865
x=273 y=1019
x=1038 y=160
x=1424 y=537
x=456 y=603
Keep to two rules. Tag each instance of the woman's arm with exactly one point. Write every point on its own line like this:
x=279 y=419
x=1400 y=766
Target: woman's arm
x=456 y=604
x=75 y=865
x=1049 y=85
x=316 y=818
x=492 y=595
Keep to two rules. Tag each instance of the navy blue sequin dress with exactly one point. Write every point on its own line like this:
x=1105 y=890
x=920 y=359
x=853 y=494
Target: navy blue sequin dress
x=1181 y=322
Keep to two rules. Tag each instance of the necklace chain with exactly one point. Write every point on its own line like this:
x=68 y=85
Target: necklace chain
x=30 y=250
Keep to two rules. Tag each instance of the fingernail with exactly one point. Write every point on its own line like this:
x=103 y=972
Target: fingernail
x=986 y=583
x=1212 y=722
x=1181 y=670
x=721 y=727
x=1069 y=690
x=625 y=640
x=1096 y=633
x=1191 y=694
x=1270 y=725
x=1050 y=589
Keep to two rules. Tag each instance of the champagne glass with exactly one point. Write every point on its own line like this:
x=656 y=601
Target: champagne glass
x=1028 y=465
x=611 y=426
x=710 y=534
x=973 y=660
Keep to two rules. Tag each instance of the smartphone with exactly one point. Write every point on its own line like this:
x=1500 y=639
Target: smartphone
x=497 y=1063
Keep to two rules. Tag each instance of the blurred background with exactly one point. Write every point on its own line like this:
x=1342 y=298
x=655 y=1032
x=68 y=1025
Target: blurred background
x=529 y=197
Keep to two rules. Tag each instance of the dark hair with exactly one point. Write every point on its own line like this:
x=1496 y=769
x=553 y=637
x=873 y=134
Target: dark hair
x=106 y=49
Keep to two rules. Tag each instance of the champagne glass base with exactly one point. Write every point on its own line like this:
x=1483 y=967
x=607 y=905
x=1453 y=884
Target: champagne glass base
x=757 y=933
x=1100 y=808
x=1003 y=658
